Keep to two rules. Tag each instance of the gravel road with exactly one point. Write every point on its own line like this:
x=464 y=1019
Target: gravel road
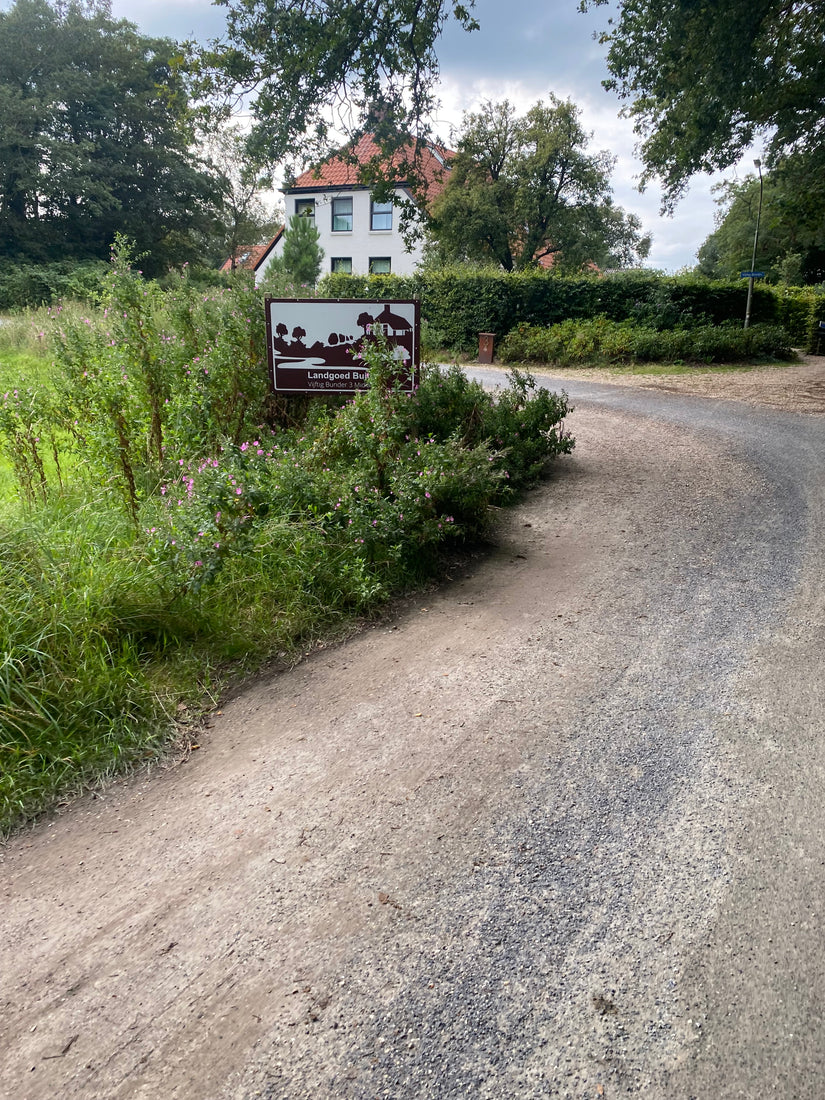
x=554 y=830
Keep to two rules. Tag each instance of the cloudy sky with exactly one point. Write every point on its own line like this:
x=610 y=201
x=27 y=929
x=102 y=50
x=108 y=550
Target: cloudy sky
x=524 y=50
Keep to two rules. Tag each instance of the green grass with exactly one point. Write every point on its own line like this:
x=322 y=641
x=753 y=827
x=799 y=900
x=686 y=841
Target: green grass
x=112 y=622
x=96 y=657
x=17 y=367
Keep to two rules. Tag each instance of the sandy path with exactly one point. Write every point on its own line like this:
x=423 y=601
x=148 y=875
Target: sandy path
x=554 y=831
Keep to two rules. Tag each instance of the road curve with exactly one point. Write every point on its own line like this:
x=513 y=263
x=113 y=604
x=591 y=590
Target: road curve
x=555 y=831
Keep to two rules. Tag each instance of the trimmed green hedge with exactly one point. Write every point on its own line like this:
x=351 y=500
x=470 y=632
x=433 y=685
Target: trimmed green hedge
x=815 y=339
x=458 y=303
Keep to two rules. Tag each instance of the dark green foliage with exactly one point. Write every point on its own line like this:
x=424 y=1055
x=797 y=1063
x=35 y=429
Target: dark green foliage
x=791 y=242
x=95 y=138
x=24 y=286
x=458 y=303
x=524 y=188
x=371 y=286
x=600 y=340
x=815 y=342
x=301 y=256
x=794 y=309
x=525 y=422
x=202 y=278
x=704 y=79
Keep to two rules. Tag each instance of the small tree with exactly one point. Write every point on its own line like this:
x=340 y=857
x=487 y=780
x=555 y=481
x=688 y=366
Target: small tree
x=302 y=255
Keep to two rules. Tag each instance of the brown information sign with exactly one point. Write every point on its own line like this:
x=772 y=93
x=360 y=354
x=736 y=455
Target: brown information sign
x=315 y=344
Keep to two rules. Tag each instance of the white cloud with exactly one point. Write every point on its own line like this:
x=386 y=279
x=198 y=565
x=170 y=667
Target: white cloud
x=179 y=19
x=521 y=52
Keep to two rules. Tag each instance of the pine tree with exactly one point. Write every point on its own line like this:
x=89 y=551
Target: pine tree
x=302 y=255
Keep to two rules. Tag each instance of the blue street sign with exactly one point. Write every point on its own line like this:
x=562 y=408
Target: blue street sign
x=751 y=274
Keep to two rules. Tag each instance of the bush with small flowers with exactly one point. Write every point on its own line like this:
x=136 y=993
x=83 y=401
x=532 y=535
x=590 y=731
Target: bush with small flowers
x=240 y=538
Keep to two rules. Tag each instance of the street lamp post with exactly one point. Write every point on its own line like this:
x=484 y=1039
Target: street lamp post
x=758 y=165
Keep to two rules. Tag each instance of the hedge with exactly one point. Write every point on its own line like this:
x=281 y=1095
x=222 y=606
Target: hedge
x=458 y=303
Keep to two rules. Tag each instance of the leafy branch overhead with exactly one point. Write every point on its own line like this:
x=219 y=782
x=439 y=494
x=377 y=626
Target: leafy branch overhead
x=313 y=66
x=703 y=81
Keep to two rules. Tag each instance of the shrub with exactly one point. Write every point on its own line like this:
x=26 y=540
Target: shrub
x=28 y=286
x=231 y=538
x=602 y=341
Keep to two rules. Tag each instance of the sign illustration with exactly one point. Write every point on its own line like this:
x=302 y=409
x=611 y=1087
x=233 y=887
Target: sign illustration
x=315 y=343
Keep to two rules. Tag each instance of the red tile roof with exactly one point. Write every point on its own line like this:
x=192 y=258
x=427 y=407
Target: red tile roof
x=550 y=259
x=339 y=171
x=250 y=259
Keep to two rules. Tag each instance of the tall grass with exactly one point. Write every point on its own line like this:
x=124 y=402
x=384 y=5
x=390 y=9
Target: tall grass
x=189 y=528
x=74 y=698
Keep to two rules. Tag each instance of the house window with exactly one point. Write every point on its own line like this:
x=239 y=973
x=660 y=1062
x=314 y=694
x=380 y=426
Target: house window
x=305 y=208
x=342 y=215
x=380 y=265
x=342 y=265
x=381 y=215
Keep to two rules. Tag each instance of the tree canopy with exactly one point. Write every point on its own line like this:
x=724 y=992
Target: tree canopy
x=95 y=138
x=701 y=80
x=704 y=80
x=788 y=250
x=522 y=189
x=244 y=220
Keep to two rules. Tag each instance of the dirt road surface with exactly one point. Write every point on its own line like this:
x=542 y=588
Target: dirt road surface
x=555 y=830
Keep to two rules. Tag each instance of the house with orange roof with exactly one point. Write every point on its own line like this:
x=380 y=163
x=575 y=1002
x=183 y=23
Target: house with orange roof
x=358 y=234
x=256 y=258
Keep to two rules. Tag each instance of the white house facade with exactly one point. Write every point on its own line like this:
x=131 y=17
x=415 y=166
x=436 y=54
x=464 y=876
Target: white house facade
x=358 y=235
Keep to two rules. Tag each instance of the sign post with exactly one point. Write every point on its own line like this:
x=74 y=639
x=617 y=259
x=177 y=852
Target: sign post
x=315 y=344
x=750 y=276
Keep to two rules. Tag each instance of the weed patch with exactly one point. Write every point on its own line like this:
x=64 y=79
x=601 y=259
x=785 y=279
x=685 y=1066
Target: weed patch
x=171 y=523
